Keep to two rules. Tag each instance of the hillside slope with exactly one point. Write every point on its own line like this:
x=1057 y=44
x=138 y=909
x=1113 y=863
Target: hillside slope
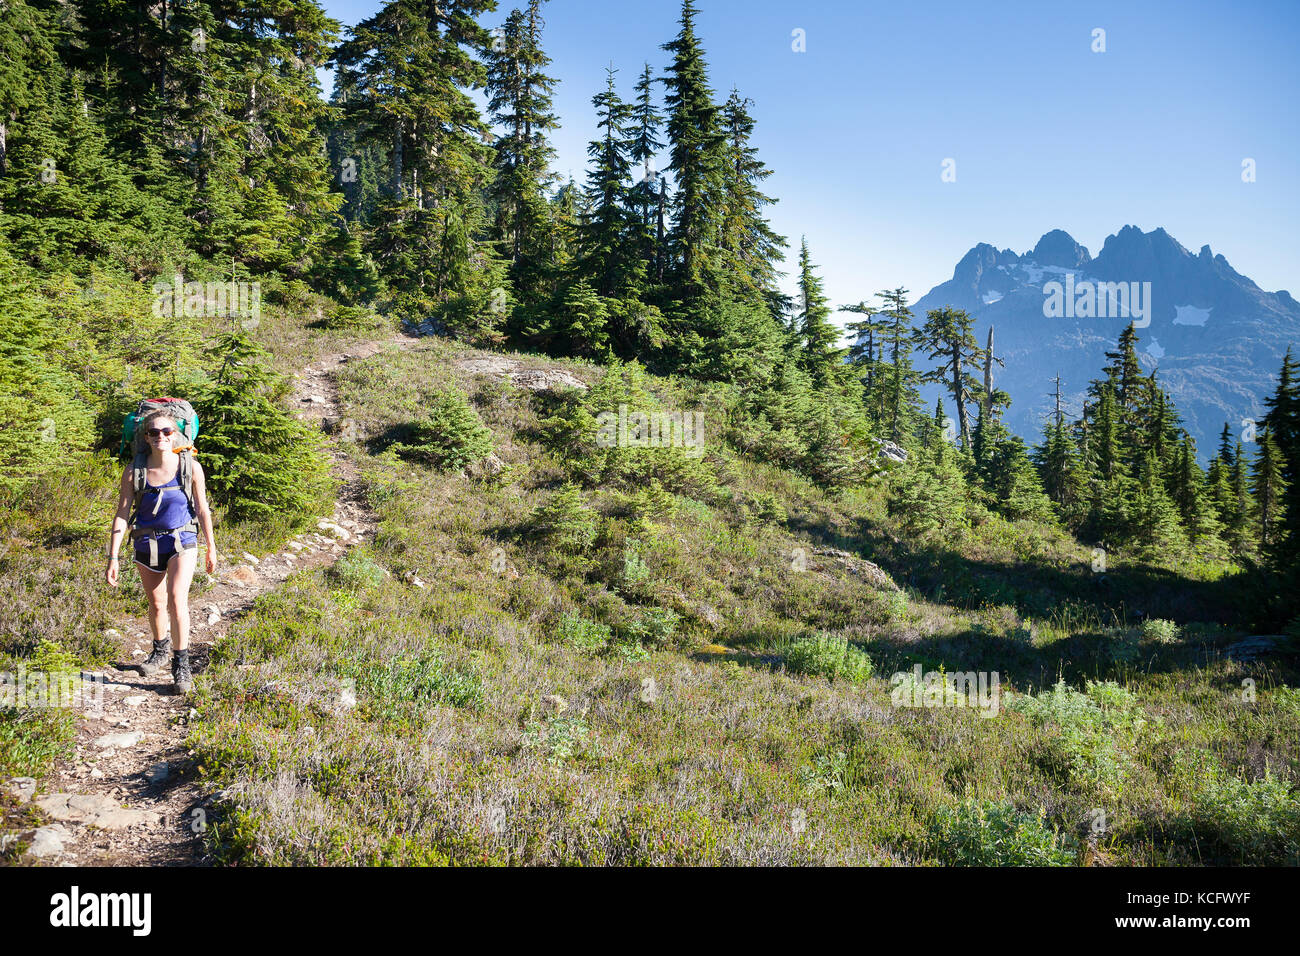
x=638 y=684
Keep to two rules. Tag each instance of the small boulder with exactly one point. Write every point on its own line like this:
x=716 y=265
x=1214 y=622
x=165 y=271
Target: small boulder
x=1255 y=647
x=243 y=575
x=48 y=841
x=22 y=788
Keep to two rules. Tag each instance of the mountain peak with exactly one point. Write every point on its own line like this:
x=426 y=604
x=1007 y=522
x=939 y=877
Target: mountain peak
x=1058 y=248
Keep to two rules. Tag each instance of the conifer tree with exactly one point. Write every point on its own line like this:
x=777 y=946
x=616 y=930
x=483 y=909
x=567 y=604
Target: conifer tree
x=1283 y=425
x=1061 y=470
x=948 y=336
x=519 y=99
x=608 y=264
x=819 y=338
x=410 y=66
x=1268 y=486
x=927 y=493
x=1192 y=497
x=645 y=123
x=27 y=40
x=1237 y=523
x=749 y=247
x=1155 y=527
x=900 y=398
x=866 y=354
x=1125 y=370
x=697 y=158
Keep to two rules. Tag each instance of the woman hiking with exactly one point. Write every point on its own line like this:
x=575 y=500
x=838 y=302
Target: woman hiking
x=165 y=538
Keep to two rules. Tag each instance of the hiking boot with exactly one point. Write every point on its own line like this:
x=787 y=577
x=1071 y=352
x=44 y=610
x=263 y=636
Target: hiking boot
x=156 y=661
x=182 y=677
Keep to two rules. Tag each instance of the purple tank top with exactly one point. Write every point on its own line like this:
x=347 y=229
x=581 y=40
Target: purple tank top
x=165 y=507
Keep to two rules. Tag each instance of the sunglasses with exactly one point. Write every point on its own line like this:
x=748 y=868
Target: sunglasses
x=155 y=432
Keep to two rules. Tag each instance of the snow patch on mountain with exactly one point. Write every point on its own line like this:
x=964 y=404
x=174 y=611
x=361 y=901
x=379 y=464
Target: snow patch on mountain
x=1190 y=315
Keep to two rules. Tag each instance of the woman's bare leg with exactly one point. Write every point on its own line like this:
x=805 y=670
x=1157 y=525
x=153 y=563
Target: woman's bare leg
x=155 y=589
x=180 y=571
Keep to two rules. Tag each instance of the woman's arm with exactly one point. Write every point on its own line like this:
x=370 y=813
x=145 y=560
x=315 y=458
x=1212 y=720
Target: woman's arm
x=125 y=498
x=204 y=516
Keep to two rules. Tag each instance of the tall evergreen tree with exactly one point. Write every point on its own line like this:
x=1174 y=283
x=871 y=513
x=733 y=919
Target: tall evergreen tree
x=697 y=159
x=645 y=124
x=608 y=262
x=1237 y=523
x=410 y=66
x=519 y=100
x=1061 y=470
x=1282 y=423
x=900 y=396
x=948 y=337
x=1268 y=486
x=866 y=354
x=749 y=247
x=819 y=338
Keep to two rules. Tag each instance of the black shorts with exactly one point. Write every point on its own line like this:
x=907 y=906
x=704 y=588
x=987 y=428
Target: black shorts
x=154 y=552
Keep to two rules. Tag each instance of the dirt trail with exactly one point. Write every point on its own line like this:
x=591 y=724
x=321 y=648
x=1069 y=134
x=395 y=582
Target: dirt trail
x=130 y=796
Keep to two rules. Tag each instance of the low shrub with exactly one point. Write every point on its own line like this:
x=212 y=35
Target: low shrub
x=983 y=833
x=578 y=632
x=1160 y=631
x=828 y=656
x=357 y=571
x=450 y=437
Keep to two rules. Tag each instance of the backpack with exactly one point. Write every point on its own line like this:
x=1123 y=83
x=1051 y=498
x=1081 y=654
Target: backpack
x=188 y=423
x=176 y=408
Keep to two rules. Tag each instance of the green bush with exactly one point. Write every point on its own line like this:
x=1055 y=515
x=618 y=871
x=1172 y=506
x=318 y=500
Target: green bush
x=564 y=520
x=1160 y=631
x=576 y=631
x=352 y=318
x=656 y=626
x=593 y=452
x=826 y=775
x=451 y=437
x=983 y=833
x=1090 y=735
x=357 y=571
x=1248 y=824
x=559 y=737
x=258 y=460
x=928 y=494
x=402 y=690
x=828 y=656
x=767 y=507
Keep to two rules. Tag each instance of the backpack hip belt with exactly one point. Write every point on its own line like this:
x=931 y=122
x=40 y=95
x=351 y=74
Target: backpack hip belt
x=138 y=533
x=153 y=536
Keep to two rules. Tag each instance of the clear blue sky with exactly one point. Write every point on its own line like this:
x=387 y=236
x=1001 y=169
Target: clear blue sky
x=1044 y=132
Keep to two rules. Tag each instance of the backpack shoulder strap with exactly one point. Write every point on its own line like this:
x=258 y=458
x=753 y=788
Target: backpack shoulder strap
x=185 y=474
x=139 y=478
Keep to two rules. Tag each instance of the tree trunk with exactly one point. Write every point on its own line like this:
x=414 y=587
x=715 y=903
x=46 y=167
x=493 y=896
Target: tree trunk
x=397 y=162
x=959 y=395
x=659 y=245
x=986 y=406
